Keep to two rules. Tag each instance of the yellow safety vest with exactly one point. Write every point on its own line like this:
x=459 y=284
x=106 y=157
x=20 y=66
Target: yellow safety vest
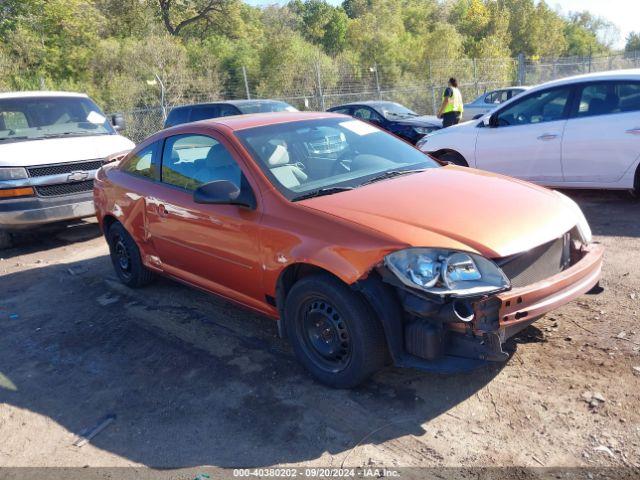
x=455 y=105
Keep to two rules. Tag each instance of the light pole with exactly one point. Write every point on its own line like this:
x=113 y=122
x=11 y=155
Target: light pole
x=158 y=81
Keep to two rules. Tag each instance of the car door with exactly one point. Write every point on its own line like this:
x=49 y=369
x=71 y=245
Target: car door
x=216 y=247
x=524 y=139
x=602 y=137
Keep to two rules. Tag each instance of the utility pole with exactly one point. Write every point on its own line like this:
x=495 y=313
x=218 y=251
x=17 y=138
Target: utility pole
x=375 y=70
x=246 y=82
x=319 y=81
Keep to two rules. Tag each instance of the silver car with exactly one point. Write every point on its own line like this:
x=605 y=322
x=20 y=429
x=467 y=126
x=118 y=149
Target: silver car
x=490 y=100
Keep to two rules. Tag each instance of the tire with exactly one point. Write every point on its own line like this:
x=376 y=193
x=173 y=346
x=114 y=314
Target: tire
x=126 y=258
x=6 y=240
x=334 y=333
x=453 y=157
x=635 y=193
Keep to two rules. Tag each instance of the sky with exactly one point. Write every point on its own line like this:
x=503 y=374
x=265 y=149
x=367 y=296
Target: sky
x=624 y=14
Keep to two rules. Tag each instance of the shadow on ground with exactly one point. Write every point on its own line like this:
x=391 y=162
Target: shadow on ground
x=49 y=237
x=192 y=379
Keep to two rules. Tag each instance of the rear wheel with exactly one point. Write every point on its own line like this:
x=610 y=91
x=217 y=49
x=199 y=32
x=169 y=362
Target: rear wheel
x=126 y=258
x=453 y=157
x=333 y=332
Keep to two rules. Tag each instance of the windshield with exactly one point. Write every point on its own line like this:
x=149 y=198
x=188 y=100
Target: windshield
x=32 y=118
x=328 y=155
x=395 y=110
x=262 y=107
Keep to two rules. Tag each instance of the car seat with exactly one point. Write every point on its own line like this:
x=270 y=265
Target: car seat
x=219 y=165
x=287 y=174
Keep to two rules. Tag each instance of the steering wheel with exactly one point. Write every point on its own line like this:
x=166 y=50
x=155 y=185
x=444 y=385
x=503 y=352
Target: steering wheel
x=342 y=164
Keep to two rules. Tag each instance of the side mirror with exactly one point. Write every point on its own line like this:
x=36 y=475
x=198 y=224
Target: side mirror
x=118 y=122
x=224 y=192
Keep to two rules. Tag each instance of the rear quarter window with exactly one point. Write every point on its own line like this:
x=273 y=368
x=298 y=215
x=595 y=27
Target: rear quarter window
x=177 y=116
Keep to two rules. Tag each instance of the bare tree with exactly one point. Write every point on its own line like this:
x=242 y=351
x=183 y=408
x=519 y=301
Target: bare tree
x=178 y=14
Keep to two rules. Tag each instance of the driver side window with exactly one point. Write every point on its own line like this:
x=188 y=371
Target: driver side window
x=189 y=161
x=544 y=106
x=367 y=114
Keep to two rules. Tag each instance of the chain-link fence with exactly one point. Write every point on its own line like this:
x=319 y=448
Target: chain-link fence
x=317 y=86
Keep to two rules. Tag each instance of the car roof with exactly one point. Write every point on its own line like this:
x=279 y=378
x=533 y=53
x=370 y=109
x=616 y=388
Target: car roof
x=251 y=120
x=229 y=102
x=629 y=74
x=43 y=93
x=368 y=103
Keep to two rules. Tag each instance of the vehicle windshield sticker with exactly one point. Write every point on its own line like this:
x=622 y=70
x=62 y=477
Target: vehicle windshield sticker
x=95 y=118
x=358 y=127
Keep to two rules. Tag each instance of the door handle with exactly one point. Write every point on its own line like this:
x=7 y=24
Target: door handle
x=634 y=131
x=548 y=136
x=162 y=211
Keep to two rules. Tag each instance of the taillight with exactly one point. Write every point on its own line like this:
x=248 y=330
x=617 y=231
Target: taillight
x=17 y=192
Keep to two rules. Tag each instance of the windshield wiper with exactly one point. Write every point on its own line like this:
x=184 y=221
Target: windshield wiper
x=15 y=138
x=391 y=174
x=320 y=192
x=72 y=134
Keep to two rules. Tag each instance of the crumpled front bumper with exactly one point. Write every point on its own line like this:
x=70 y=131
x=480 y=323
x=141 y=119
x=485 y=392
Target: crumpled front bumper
x=519 y=307
x=426 y=340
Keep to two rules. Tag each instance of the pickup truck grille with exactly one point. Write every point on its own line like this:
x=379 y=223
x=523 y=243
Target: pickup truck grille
x=64 y=188
x=538 y=263
x=64 y=168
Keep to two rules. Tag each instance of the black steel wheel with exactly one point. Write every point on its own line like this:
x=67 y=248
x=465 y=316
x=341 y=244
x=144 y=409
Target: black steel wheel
x=334 y=333
x=325 y=335
x=126 y=259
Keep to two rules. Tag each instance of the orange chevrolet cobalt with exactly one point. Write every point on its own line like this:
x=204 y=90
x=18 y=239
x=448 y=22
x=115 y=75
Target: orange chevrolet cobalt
x=366 y=251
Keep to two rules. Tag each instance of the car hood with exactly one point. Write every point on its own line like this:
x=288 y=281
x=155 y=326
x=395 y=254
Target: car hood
x=27 y=153
x=455 y=207
x=423 y=121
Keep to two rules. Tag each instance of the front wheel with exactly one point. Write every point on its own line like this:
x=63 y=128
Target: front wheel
x=126 y=258
x=333 y=332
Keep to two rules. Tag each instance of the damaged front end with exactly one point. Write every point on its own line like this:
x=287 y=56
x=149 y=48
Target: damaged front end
x=457 y=308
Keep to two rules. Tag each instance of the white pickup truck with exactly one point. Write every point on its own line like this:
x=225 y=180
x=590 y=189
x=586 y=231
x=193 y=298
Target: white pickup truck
x=51 y=146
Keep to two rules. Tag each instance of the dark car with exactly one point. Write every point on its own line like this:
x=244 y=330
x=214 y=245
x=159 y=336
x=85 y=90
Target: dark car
x=204 y=111
x=393 y=117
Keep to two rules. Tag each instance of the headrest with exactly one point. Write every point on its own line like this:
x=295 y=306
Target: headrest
x=219 y=156
x=279 y=156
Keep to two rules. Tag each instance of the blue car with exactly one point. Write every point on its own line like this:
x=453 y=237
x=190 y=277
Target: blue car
x=392 y=117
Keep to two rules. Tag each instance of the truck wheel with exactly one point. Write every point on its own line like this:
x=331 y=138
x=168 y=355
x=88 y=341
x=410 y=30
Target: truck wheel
x=126 y=258
x=6 y=241
x=333 y=332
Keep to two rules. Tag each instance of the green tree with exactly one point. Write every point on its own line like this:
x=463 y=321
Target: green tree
x=633 y=42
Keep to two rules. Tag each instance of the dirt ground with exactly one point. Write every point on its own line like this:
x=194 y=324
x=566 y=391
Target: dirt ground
x=194 y=380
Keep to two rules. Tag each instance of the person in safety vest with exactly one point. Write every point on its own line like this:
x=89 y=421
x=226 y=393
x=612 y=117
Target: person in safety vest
x=451 y=109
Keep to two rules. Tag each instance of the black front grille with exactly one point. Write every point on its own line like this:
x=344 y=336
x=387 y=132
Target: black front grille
x=64 y=189
x=538 y=263
x=64 y=168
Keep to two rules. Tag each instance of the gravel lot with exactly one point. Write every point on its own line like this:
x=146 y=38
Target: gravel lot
x=194 y=380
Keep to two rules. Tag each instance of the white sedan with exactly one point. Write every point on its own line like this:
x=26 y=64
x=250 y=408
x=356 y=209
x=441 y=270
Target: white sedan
x=578 y=132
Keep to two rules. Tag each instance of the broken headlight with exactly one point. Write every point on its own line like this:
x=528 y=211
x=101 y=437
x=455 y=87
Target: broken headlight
x=446 y=272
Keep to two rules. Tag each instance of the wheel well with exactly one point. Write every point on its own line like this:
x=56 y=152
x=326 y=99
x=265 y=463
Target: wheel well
x=288 y=277
x=447 y=151
x=107 y=221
